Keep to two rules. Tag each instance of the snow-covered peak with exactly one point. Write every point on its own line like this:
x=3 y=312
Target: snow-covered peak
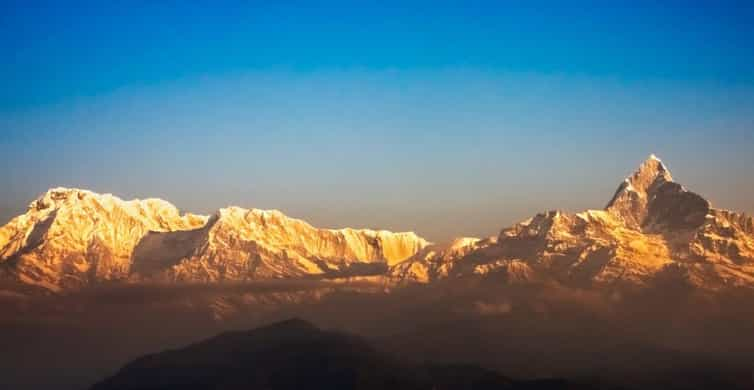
x=56 y=196
x=650 y=199
x=650 y=174
x=652 y=167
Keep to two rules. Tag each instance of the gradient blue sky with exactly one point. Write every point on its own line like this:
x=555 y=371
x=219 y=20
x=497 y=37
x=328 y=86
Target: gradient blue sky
x=444 y=118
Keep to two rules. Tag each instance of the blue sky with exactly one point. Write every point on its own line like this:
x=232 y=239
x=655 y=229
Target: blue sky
x=444 y=118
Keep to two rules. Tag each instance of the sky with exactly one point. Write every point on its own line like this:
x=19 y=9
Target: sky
x=448 y=119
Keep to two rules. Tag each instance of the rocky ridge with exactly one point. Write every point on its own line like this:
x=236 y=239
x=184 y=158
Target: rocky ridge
x=652 y=230
x=71 y=238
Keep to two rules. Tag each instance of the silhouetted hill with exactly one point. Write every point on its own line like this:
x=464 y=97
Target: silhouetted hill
x=295 y=354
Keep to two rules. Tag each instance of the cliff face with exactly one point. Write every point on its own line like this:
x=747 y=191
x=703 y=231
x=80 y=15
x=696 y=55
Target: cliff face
x=71 y=238
x=652 y=230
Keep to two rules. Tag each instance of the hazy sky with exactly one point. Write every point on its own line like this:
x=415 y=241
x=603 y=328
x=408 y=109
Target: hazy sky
x=447 y=119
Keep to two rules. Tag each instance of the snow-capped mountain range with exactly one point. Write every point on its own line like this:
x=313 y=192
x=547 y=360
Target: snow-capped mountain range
x=652 y=230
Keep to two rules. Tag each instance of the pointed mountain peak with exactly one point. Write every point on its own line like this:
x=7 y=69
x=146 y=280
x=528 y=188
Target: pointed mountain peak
x=651 y=169
x=630 y=200
x=650 y=198
x=654 y=161
x=650 y=173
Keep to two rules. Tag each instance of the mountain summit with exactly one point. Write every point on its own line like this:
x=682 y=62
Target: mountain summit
x=651 y=231
x=649 y=199
x=632 y=197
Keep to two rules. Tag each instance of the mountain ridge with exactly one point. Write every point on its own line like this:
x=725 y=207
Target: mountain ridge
x=70 y=238
x=651 y=230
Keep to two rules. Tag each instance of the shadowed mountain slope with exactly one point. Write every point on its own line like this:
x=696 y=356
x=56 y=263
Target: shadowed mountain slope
x=294 y=354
